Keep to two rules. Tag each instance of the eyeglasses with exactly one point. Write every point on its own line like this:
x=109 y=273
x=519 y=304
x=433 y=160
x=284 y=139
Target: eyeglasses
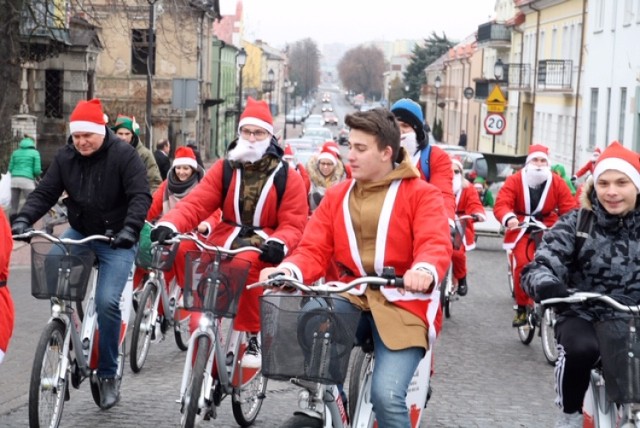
x=325 y=164
x=457 y=172
x=259 y=134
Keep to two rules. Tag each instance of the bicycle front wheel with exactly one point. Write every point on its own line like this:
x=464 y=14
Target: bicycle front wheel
x=360 y=362
x=246 y=400
x=190 y=407
x=47 y=389
x=142 y=327
x=302 y=421
x=547 y=334
x=527 y=331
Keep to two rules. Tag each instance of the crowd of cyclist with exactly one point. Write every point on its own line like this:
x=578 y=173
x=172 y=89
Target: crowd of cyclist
x=393 y=201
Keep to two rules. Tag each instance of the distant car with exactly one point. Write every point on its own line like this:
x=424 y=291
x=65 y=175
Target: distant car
x=313 y=121
x=294 y=116
x=491 y=226
x=319 y=132
x=330 y=118
x=303 y=144
x=451 y=149
x=343 y=135
x=327 y=107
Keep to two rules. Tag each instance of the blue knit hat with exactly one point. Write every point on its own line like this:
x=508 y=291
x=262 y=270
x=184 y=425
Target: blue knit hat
x=410 y=112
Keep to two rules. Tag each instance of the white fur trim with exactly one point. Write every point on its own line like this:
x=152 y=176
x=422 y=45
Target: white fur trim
x=328 y=156
x=185 y=161
x=537 y=155
x=617 y=164
x=293 y=268
x=257 y=122
x=84 y=126
x=457 y=163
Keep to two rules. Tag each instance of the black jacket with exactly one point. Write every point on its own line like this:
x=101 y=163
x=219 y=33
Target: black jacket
x=106 y=191
x=164 y=163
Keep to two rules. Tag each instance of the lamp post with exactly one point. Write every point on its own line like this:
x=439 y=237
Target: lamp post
x=241 y=60
x=287 y=87
x=437 y=83
x=498 y=73
x=270 y=78
x=293 y=91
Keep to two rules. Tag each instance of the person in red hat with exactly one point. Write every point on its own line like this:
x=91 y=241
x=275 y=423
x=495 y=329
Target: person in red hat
x=532 y=194
x=256 y=210
x=290 y=157
x=107 y=192
x=325 y=170
x=605 y=261
x=467 y=204
x=335 y=148
x=7 y=312
x=587 y=168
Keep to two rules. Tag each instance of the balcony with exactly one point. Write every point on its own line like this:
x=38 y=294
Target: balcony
x=493 y=35
x=555 y=75
x=519 y=77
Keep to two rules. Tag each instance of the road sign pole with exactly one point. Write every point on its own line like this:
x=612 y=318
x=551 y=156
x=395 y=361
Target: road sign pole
x=493 y=146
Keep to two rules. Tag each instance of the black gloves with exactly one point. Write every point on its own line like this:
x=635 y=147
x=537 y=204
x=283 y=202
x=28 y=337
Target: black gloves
x=126 y=238
x=160 y=234
x=19 y=226
x=550 y=289
x=272 y=252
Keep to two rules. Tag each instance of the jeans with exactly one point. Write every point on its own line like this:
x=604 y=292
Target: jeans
x=392 y=374
x=115 y=265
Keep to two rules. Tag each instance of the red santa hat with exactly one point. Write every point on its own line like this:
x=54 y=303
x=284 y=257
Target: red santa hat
x=256 y=113
x=538 y=151
x=328 y=154
x=596 y=154
x=332 y=146
x=88 y=117
x=288 y=150
x=185 y=156
x=455 y=160
x=619 y=158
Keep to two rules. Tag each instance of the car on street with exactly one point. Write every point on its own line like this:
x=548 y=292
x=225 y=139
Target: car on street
x=302 y=144
x=295 y=116
x=330 y=118
x=314 y=121
x=320 y=132
x=326 y=107
x=343 y=135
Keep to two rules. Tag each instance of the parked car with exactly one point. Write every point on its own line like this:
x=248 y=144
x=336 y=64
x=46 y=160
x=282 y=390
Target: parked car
x=327 y=107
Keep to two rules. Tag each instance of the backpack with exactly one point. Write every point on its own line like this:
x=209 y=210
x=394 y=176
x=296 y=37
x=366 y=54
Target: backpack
x=425 y=156
x=280 y=179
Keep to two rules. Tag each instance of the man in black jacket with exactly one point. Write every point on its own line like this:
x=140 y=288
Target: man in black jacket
x=163 y=147
x=108 y=193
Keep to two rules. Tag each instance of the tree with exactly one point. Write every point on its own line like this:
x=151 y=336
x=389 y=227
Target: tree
x=304 y=66
x=361 y=70
x=423 y=56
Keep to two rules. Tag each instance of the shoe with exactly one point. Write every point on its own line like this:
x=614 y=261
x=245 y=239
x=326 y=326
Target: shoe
x=109 y=392
x=252 y=358
x=521 y=317
x=569 y=420
x=463 y=289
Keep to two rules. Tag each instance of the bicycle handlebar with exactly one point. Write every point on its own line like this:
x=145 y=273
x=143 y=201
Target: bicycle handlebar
x=584 y=296
x=330 y=287
x=52 y=238
x=204 y=246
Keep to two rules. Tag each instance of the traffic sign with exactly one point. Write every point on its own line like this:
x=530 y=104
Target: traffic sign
x=494 y=123
x=496 y=102
x=468 y=92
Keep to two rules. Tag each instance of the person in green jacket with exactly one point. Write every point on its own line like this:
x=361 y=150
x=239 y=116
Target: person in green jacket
x=480 y=184
x=127 y=129
x=25 y=167
x=559 y=169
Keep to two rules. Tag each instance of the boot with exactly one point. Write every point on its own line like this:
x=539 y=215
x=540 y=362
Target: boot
x=109 y=393
x=463 y=289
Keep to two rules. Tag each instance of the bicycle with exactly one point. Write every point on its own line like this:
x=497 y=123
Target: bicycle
x=449 y=290
x=213 y=284
x=67 y=349
x=613 y=395
x=318 y=360
x=148 y=324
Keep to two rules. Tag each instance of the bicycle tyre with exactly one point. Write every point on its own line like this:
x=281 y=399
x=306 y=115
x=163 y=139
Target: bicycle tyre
x=302 y=421
x=510 y=279
x=447 y=288
x=247 y=406
x=527 y=331
x=44 y=378
x=194 y=386
x=181 y=321
x=142 y=328
x=360 y=362
x=548 y=337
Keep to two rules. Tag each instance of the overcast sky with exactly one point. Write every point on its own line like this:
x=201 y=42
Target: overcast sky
x=355 y=21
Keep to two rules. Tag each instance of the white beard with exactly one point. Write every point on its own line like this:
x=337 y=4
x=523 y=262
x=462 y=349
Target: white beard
x=457 y=183
x=246 y=151
x=535 y=176
x=409 y=142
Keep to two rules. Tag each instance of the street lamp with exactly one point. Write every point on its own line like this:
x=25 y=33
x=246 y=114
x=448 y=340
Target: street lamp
x=295 y=114
x=270 y=78
x=437 y=83
x=498 y=70
x=288 y=88
x=241 y=60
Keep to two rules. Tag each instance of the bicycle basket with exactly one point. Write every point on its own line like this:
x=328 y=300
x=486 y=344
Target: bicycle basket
x=212 y=286
x=619 y=340
x=306 y=338
x=143 y=254
x=56 y=274
x=162 y=257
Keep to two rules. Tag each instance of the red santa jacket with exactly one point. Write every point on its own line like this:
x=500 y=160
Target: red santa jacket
x=7 y=313
x=441 y=176
x=468 y=203
x=283 y=223
x=587 y=167
x=415 y=233
x=514 y=199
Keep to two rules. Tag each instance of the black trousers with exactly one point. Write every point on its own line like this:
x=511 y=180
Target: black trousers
x=578 y=352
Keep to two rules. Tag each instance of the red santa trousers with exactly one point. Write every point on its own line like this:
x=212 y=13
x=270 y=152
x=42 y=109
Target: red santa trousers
x=521 y=254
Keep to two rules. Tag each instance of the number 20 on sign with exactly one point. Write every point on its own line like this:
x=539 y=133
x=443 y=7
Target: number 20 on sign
x=494 y=123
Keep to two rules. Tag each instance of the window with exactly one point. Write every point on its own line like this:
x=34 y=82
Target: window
x=140 y=52
x=621 y=115
x=599 y=16
x=593 y=118
x=614 y=14
x=53 y=93
x=554 y=42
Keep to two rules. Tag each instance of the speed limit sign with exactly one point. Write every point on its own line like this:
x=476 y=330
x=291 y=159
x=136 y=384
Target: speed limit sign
x=494 y=123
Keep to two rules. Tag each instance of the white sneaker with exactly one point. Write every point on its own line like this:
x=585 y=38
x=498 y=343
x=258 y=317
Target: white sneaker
x=569 y=420
x=252 y=358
